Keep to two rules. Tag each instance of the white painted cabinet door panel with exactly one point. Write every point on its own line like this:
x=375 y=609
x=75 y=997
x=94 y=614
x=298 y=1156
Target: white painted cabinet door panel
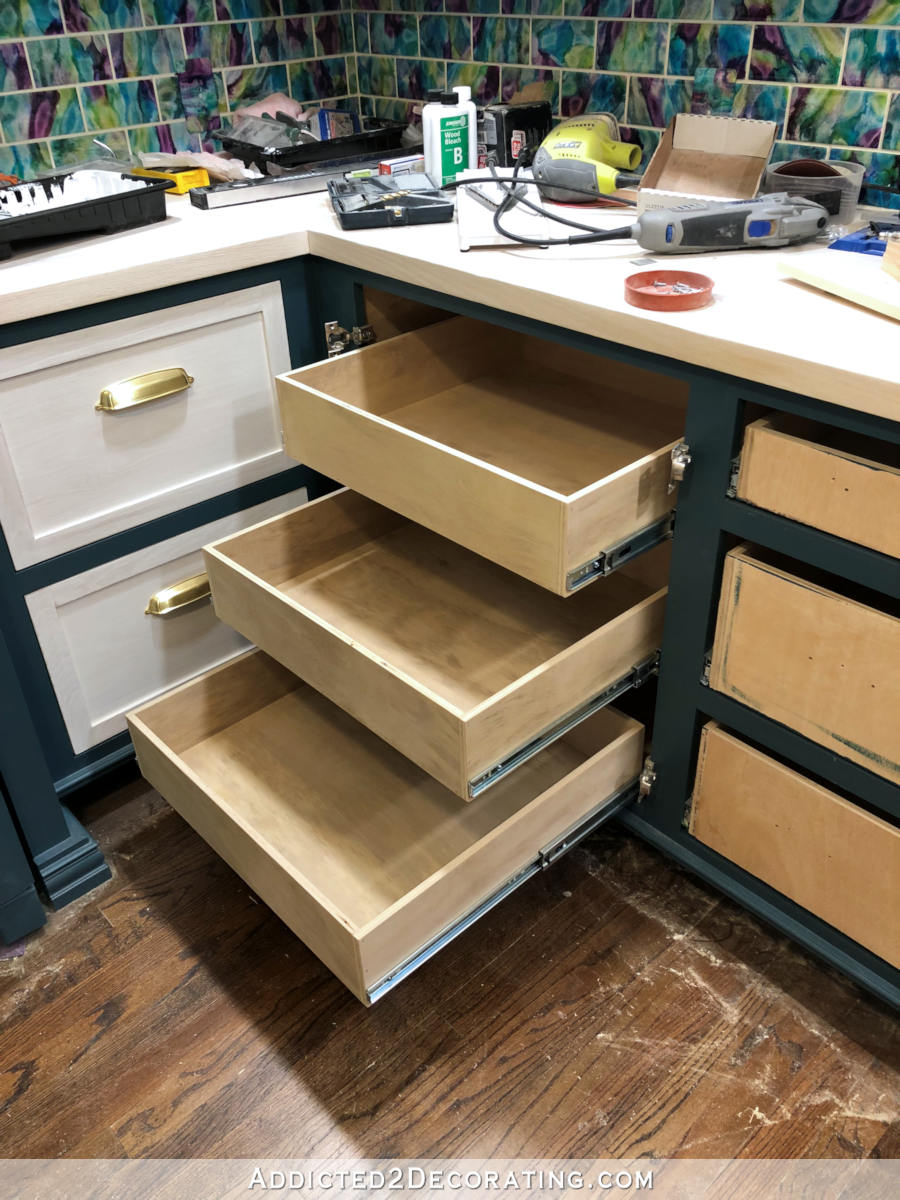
x=105 y=654
x=70 y=474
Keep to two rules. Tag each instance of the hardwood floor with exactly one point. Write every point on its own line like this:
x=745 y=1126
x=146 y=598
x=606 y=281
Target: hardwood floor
x=612 y=1007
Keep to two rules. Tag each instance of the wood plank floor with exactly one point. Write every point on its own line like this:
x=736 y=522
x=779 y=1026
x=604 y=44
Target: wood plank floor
x=612 y=1007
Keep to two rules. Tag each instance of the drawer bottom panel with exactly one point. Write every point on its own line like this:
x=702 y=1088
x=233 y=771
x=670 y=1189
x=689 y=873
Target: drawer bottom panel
x=366 y=858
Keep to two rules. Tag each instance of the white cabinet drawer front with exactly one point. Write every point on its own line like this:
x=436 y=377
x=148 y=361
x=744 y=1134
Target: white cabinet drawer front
x=70 y=474
x=364 y=856
x=105 y=653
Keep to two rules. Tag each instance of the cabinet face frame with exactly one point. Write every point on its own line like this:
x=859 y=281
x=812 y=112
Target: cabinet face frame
x=191 y=746
x=180 y=486
x=560 y=540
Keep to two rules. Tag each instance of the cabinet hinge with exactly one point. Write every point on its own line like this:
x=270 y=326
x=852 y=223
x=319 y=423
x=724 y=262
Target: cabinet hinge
x=338 y=339
x=680 y=461
x=647 y=779
x=731 y=490
x=686 y=815
x=707 y=667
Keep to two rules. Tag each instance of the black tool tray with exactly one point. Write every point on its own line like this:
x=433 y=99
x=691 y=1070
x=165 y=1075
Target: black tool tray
x=139 y=206
x=387 y=200
x=376 y=136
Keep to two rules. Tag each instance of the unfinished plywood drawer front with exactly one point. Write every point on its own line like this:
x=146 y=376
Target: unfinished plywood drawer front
x=823 y=852
x=464 y=667
x=108 y=427
x=847 y=485
x=105 y=652
x=369 y=861
x=548 y=461
x=821 y=662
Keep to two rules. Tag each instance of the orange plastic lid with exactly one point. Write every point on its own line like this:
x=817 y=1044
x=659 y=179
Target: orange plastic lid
x=668 y=291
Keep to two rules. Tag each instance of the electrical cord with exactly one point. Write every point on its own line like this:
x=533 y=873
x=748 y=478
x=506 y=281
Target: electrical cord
x=509 y=187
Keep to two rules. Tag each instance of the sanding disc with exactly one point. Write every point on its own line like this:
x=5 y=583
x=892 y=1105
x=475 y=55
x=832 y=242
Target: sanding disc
x=668 y=291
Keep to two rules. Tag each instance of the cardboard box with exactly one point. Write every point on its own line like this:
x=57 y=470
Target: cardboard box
x=706 y=158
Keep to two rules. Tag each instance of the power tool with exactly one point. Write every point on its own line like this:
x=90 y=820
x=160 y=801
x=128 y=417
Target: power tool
x=777 y=220
x=582 y=158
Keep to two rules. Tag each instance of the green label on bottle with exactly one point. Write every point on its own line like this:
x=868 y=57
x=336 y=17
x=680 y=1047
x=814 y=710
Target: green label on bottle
x=454 y=146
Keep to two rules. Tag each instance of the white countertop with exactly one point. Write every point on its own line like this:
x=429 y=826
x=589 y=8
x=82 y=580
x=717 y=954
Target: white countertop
x=761 y=327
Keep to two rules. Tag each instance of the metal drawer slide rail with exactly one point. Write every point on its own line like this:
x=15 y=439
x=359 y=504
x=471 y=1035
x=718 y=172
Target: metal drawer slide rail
x=622 y=552
x=636 y=676
x=604 y=812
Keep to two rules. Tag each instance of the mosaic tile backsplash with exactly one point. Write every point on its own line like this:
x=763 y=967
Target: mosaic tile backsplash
x=148 y=74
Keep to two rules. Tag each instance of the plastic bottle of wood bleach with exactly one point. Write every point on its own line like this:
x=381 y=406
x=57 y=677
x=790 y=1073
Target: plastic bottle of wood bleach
x=449 y=135
x=465 y=103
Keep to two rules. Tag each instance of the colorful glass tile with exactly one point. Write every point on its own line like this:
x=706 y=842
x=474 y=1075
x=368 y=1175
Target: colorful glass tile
x=40 y=114
x=873 y=58
x=377 y=77
x=845 y=117
x=483 y=80
x=723 y=46
x=597 y=8
x=563 y=43
x=797 y=53
x=175 y=12
x=520 y=85
x=26 y=161
x=415 y=77
x=334 y=34
x=445 y=37
x=394 y=33
x=14 y=73
x=68 y=151
x=57 y=61
x=111 y=105
x=653 y=100
x=758 y=10
x=501 y=39
x=855 y=12
x=250 y=84
x=88 y=16
x=146 y=52
x=168 y=138
x=638 y=46
x=582 y=92
x=282 y=40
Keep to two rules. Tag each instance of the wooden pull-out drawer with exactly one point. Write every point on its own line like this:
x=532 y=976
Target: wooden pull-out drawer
x=368 y=860
x=464 y=667
x=833 y=858
x=105 y=652
x=846 y=484
x=552 y=462
x=108 y=427
x=818 y=661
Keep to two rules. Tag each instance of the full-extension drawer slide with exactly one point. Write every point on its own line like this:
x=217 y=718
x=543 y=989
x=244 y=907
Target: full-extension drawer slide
x=634 y=678
x=604 y=812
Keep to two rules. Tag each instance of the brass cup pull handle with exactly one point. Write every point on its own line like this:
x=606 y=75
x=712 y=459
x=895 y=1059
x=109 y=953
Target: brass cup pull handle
x=179 y=595
x=142 y=389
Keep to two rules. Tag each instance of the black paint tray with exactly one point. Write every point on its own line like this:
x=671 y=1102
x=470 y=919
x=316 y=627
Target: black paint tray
x=23 y=219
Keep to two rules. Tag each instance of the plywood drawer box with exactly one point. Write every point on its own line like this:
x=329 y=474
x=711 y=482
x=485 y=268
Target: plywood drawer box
x=823 y=663
x=105 y=653
x=461 y=665
x=820 y=850
x=845 y=484
x=541 y=458
x=365 y=857
x=201 y=420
